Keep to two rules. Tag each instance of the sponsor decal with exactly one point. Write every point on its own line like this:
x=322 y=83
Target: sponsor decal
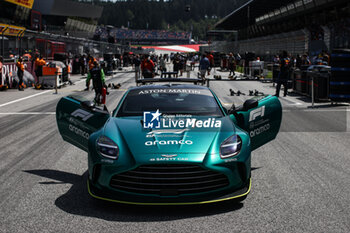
x=78 y=123
x=255 y=124
x=79 y=132
x=168 y=159
x=168 y=142
x=84 y=115
x=169 y=156
x=190 y=123
x=256 y=113
x=259 y=130
x=172 y=132
x=153 y=120
x=156 y=91
x=176 y=115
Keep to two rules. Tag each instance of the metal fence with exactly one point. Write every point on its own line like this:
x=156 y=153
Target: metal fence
x=74 y=45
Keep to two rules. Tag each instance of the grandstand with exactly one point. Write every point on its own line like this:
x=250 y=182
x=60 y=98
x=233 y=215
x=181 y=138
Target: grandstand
x=158 y=37
x=268 y=26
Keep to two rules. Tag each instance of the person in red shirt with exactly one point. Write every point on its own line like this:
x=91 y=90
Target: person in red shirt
x=147 y=67
x=20 y=72
x=211 y=61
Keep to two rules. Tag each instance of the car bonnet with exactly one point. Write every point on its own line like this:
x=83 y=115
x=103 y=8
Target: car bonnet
x=193 y=143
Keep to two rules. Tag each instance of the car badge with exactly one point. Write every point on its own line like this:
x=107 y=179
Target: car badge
x=169 y=156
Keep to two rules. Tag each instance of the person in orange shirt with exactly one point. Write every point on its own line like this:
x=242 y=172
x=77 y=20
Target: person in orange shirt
x=92 y=60
x=39 y=63
x=20 y=72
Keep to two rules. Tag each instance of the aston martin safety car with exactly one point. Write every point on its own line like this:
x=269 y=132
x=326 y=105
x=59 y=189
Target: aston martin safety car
x=169 y=144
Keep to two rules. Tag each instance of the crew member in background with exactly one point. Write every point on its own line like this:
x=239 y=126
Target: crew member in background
x=231 y=64
x=211 y=61
x=20 y=72
x=162 y=65
x=39 y=63
x=137 y=63
x=176 y=64
x=283 y=76
x=91 y=63
x=82 y=61
x=147 y=67
x=305 y=61
x=98 y=81
x=204 y=65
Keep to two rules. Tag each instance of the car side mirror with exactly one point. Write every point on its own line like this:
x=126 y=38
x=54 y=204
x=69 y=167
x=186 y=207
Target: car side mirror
x=249 y=104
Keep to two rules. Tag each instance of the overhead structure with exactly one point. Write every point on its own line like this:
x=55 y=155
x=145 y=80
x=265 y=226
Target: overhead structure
x=67 y=8
x=258 y=12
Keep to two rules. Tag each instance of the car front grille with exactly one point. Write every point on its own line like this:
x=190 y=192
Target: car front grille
x=169 y=180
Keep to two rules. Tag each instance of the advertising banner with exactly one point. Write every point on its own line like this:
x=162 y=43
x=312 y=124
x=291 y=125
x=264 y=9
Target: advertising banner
x=9 y=72
x=11 y=30
x=24 y=3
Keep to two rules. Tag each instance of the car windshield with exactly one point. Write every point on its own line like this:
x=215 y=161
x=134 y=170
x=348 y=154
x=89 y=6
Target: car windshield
x=172 y=101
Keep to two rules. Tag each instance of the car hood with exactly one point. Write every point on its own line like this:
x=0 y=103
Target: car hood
x=168 y=142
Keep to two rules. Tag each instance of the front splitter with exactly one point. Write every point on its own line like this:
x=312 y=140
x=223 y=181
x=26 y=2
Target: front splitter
x=238 y=194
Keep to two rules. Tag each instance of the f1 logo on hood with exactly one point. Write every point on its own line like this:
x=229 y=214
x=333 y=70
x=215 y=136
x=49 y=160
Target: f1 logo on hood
x=256 y=113
x=84 y=115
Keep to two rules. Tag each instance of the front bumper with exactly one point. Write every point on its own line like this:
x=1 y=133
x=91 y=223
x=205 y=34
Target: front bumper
x=106 y=195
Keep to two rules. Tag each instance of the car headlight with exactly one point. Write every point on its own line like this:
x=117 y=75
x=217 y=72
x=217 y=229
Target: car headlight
x=231 y=147
x=107 y=148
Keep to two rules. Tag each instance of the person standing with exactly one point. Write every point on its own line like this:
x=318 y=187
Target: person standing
x=204 y=66
x=283 y=76
x=20 y=72
x=211 y=62
x=193 y=62
x=137 y=63
x=91 y=62
x=98 y=81
x=231 y=64
x=176 y=65
x=182 y=64
x=39 y=63
x=162 y=64
x=83 y=63
x=147 y=67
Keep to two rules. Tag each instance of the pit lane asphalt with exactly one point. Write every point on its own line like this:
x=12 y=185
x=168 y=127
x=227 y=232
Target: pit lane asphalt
x=301 y=180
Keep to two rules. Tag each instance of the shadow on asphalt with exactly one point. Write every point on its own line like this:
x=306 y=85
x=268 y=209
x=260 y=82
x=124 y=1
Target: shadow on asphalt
x=77 y=201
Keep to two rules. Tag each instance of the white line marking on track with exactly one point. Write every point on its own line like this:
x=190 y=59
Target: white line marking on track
x=316 y=110
x=290 y=101
x=24 y=98
x=27 y=113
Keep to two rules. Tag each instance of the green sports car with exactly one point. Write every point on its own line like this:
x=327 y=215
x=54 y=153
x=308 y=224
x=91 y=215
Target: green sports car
x=169 y=144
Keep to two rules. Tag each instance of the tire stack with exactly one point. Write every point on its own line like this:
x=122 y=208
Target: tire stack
x=339 y=85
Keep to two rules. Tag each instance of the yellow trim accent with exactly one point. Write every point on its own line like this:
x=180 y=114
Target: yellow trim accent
x=180 y=203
